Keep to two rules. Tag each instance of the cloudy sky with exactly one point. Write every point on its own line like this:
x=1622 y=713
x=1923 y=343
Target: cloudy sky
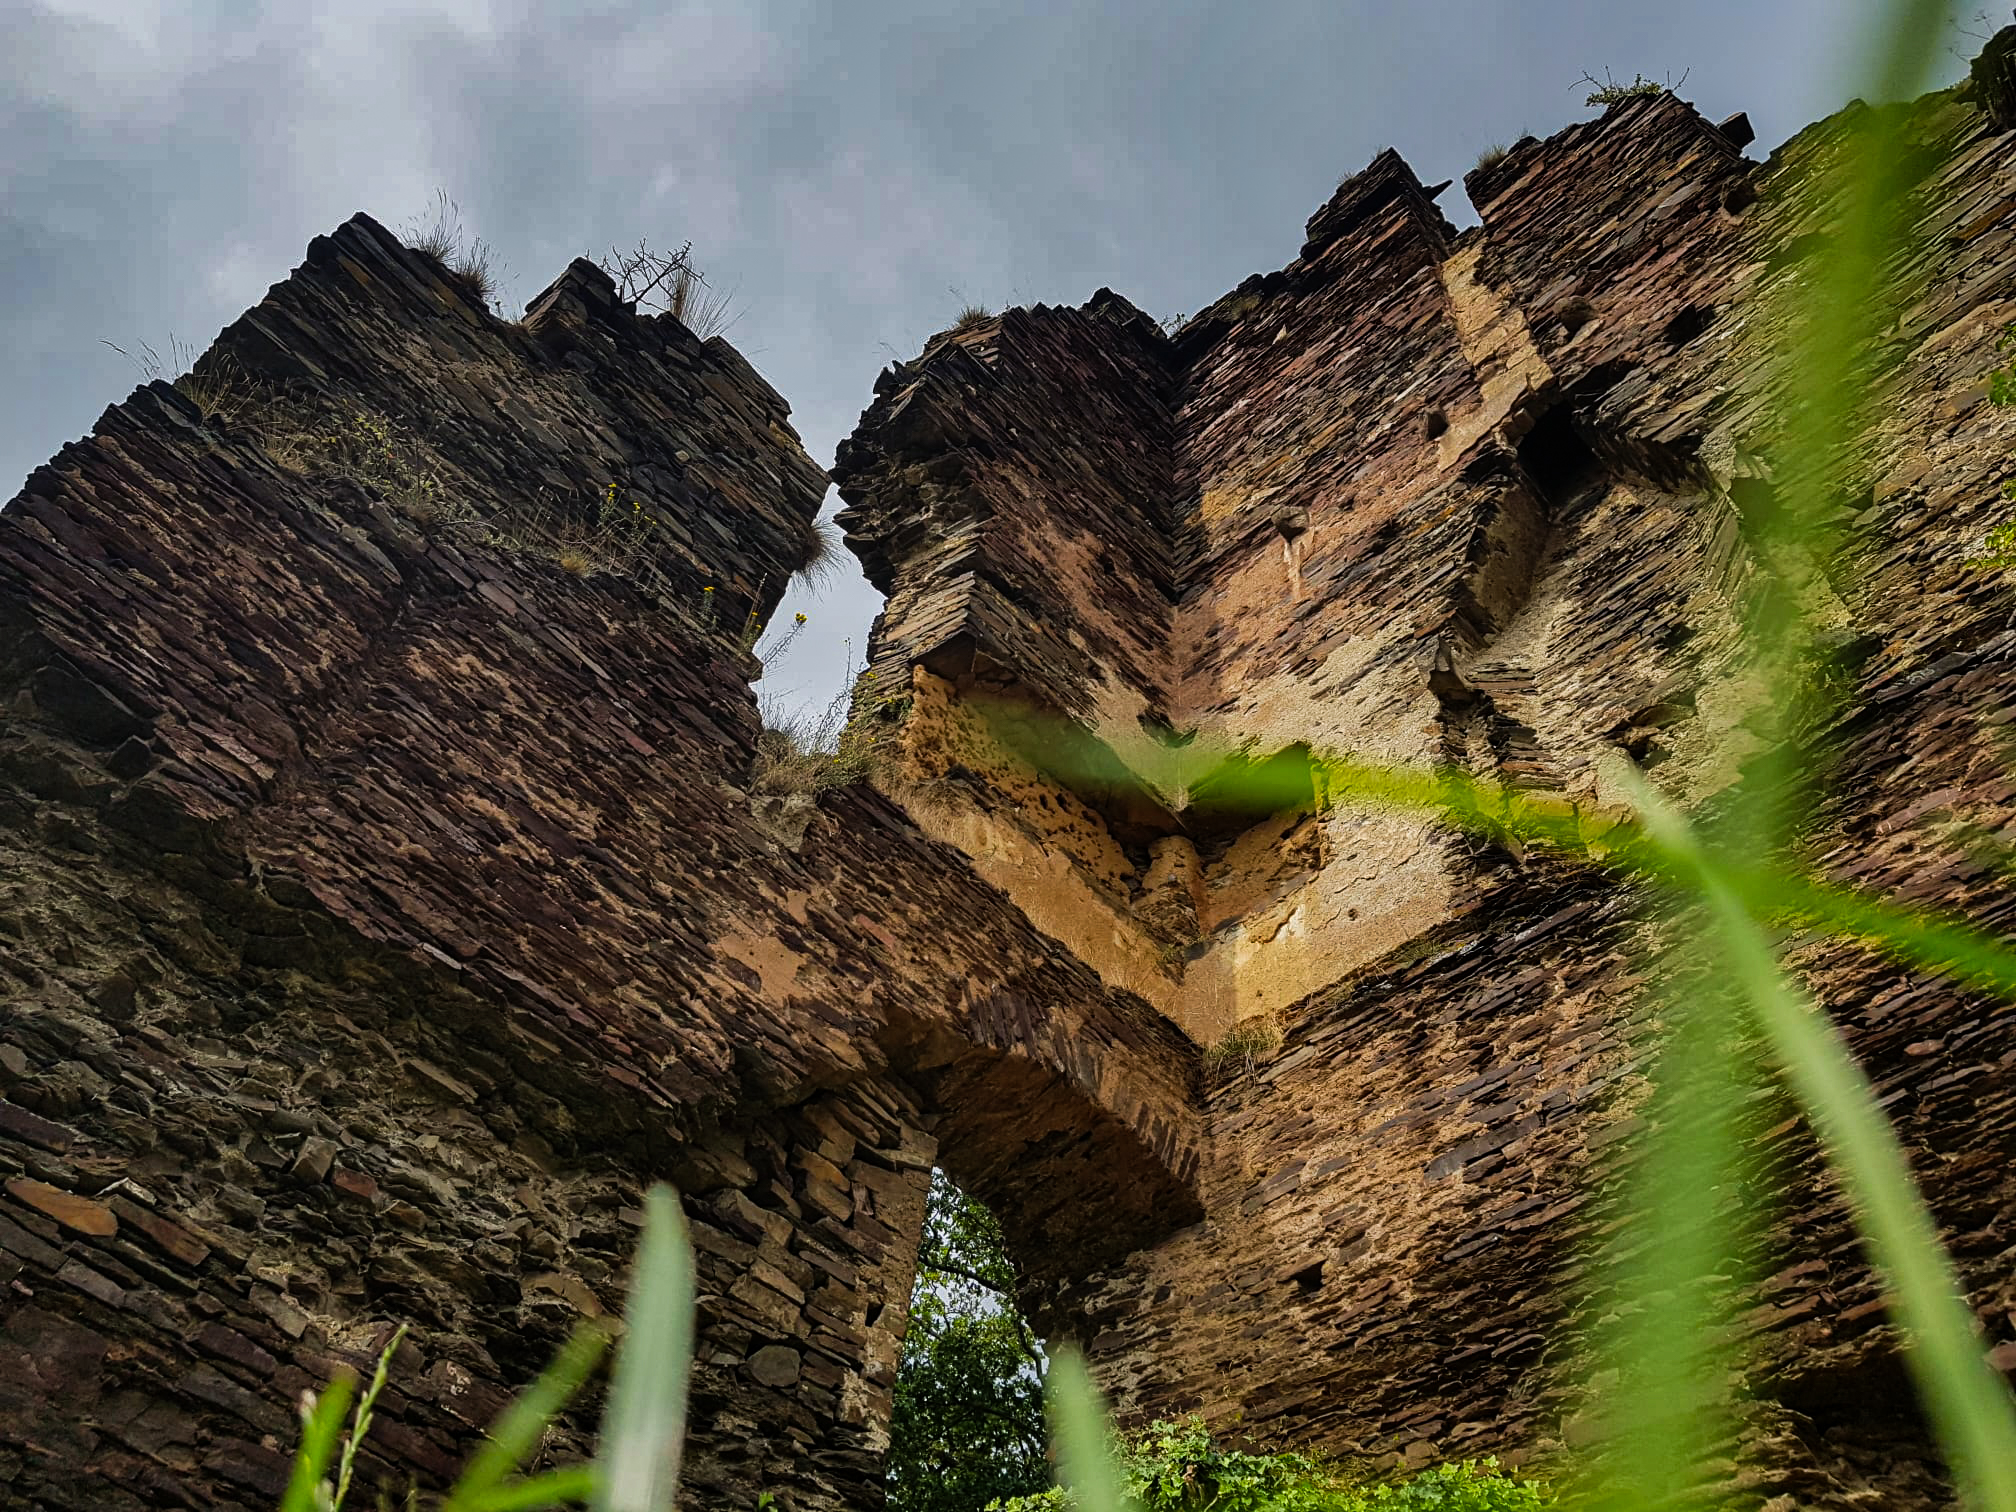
x=853 y=172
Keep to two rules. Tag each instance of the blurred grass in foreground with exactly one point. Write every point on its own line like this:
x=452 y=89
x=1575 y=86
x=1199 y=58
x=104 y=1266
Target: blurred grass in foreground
x=636 y=1466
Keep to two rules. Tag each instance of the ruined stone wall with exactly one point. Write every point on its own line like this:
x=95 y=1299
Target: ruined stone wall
x=1006 y=543
x=1481 y=499
x=385 y=901
x=385 y=907
x=1433 y=498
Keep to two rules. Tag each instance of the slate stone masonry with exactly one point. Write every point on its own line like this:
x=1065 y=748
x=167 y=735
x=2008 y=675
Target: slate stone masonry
x=1481 y=498
x=383 y=907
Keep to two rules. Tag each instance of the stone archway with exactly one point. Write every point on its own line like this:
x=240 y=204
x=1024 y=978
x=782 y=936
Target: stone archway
x=396 y=910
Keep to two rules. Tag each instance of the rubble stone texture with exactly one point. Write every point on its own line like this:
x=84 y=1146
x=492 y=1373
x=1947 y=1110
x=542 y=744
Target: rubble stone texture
x=384 y=903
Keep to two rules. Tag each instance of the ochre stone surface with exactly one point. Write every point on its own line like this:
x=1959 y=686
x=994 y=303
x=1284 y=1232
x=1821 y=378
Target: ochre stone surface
x=382 y=907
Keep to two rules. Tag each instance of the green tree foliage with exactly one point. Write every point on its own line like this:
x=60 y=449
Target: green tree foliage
x=968 y=1425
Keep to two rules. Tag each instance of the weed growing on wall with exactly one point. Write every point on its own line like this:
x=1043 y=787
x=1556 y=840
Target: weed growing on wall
x=1609 y=91
x=1245 y=1044
x=814 y=750
x=379 y=456
x=616 y=534
x=781 y=638
x=1998 y=546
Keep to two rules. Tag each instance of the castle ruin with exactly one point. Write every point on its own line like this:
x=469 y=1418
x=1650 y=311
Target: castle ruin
x=381 y=910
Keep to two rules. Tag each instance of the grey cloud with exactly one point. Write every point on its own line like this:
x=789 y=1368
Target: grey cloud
x=846 y=168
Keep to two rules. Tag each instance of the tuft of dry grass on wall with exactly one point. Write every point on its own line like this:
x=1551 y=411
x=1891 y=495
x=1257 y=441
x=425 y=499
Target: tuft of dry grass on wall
x=226 y=394
x=439 y=237
x=971 y=316
x=701 y=308
x=476 y=266
x=667 y=283
x=815 y=750
x=819 y=554
x=1245 y=1044
x=471 y=262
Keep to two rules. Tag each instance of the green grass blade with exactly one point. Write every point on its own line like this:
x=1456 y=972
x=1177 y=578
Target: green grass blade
x=1671 y=1273
x=556 y=1488
x=312 y=1462
x=1078 y=1427
x=360 y=1424
x=645 y=1421
x=1970 y=1407
x=517 y=1433
x=1917 y=937
x=1968 y=1403
x=1828 y=377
